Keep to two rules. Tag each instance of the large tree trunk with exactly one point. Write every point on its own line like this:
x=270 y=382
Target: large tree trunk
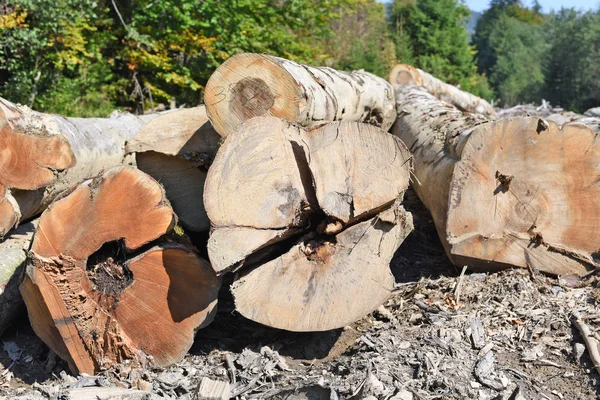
x=513 y=192
x=44 y=154
x=252 y=85
x=176 y=149
x=100 y=289
x=304 y=213
x=404 y=74
x=13 y=253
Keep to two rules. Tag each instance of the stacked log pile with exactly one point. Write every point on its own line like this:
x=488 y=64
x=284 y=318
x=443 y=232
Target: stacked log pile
x=298 y=176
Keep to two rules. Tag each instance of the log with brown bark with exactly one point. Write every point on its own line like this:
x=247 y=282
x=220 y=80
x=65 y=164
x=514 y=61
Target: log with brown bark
x=251 y=85
x=176 y=149
x=101 y=289
x=404 y=74
x=513 y=192
x=45 y=154
x=13 y=254
x=310 y=218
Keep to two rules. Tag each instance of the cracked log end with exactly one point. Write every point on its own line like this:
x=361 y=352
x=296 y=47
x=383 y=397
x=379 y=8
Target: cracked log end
x=326 y=282
x=272 y=182
x=358 y=170
x=98 y=292
x=29 y=161
x=546 y=216
x=405 y=75
x=257 y=182
x=247 y=86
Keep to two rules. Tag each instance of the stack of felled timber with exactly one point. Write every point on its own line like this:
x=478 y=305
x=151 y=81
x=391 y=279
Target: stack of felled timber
x=292 y=176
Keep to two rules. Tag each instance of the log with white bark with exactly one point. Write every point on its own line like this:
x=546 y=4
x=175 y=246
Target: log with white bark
x=310 y=218
x=251 y=85
x=100 y=289
x=47 y=154
x=13 y=254
x=404 y=74
x=176 y=149
x=514 y=192
x=549 y=113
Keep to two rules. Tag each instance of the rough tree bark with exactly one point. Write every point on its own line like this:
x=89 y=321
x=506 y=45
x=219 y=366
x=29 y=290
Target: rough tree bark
x=404 y=74
x=513 y=192
x=13 y=254
x=100 y=289
x=45 y=154
x=311 y=217
x=176 y=149
x=251 y=85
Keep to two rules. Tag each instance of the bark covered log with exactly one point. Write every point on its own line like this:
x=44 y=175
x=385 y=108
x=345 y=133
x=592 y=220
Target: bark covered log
x=100 y=289
x=13 y=254
x=514 y=192
x=252 y=85
x=306 y=217
x=45 y=154
x=176 y=149
x=403 y=74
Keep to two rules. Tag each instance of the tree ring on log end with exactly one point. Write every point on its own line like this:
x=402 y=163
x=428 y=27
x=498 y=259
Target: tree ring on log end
x=520 y=198
x=314 y=286
x=404 y=74
x=251 y=97
x=250 y=85
x=29 y=161
x=97 y=294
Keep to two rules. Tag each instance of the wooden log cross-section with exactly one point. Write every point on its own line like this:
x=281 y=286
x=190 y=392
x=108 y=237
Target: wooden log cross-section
x=404 y=74
x=45 y=154
x=311 y=219
x=176 y=149
x=100 y=289
x=252 y=85
x=513 y=192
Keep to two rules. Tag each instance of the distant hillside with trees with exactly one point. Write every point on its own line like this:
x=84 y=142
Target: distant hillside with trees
x=89 y=57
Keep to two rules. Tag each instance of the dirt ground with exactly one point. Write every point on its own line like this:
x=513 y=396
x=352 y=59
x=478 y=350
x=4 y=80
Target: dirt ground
x=441 y=335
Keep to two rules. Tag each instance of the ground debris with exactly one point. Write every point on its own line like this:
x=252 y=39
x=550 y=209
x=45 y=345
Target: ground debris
x=511 y=338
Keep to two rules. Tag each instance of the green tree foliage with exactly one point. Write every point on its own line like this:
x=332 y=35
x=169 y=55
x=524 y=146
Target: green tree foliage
x=572 y=60
x=517 y=74
x=431 y=34
x=359 y=39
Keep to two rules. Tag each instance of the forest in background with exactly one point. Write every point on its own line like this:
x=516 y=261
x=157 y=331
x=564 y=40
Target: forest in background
x=90 y=57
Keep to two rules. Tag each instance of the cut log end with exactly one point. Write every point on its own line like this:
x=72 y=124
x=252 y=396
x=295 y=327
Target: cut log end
x=247 y=86
x=30 y=160
x=9 y=212
x=527 y=196
x=325 y=282
x=96 y=296
x=185 y=133
x=183 y=184
x=405 y=75
x=273 y=182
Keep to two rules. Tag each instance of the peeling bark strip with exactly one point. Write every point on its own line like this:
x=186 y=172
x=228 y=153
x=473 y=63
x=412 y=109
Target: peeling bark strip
x=44 y=154
x=13 y=253
x=404 y=74
x=251 y=85
x=176 y=149
x=97 y=290
x=273 y=182
x=502 y=194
